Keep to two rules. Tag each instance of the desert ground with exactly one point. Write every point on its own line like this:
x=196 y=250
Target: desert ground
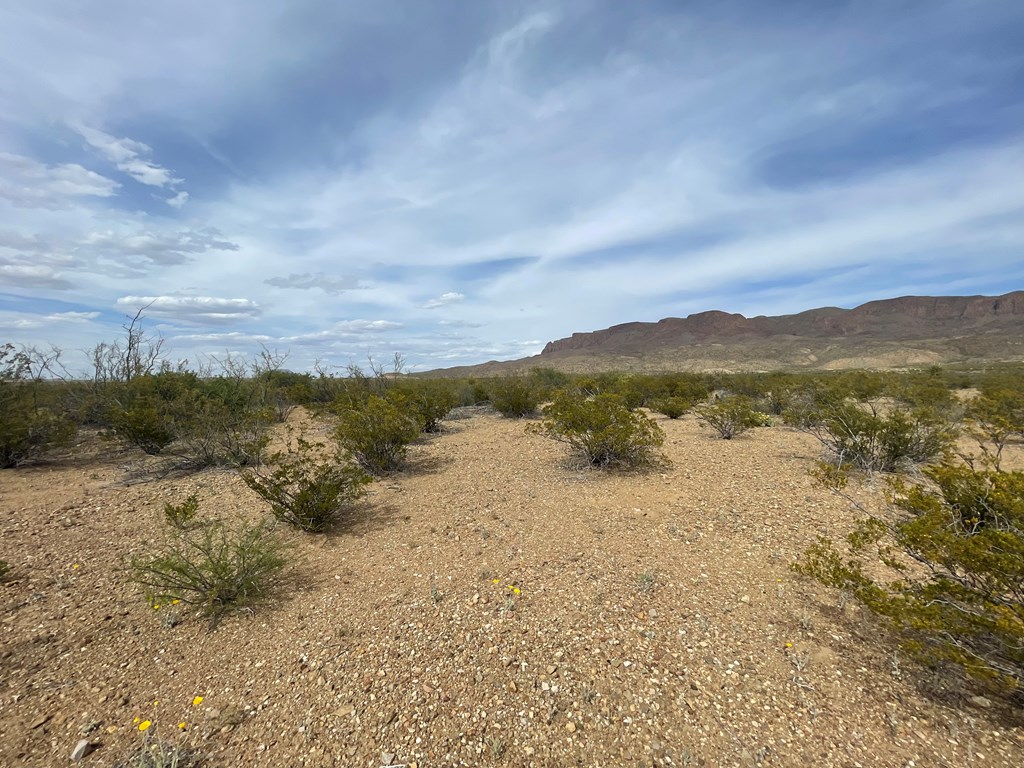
x=492 y=605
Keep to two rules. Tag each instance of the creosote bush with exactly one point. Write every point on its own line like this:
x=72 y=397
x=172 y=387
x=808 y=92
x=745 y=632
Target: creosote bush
x=514 y=397
x=311 y=493
x=214 y=568
x=32 y=420
x=673 y=407
x=377 y=434
x=431 y=401
x=876 y=440
x=603 y=430
x=193 y=423
x=997 y=416
x=955 y=550
x=731 y=416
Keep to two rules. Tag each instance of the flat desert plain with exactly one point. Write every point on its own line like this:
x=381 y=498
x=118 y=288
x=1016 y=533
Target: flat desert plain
x=491 y=605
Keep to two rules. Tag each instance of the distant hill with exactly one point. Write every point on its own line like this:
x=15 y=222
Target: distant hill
x=891 y=333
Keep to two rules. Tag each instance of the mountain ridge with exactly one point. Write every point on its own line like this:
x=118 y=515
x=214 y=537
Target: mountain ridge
x=884 y=333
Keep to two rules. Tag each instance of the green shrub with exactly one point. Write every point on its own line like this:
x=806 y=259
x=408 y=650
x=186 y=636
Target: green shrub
x=514 y=396
x=212 y=568
x=631 y=391
x=142 y=425
x=549 y=380
x=775 y=402
x=673 y=407
x=310 y=493
x=430 y=400
x=150 y=410
x=377 y=434
x=157 y=753
x=603 y=431
x=731 y=416
x=871 y=440
x=956 y=552
x=224 y=421
x=923 y=391
x=28 y=432
x=32 y=419
x=997 y=415
x=181 y=516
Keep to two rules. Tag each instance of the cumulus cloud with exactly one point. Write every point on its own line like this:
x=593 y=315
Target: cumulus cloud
x=308 y=280
x=193 y=309
x=27 y=183
x=445 y=299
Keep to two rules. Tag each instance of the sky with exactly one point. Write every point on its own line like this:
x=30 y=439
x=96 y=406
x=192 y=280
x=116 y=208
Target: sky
x=465 y=181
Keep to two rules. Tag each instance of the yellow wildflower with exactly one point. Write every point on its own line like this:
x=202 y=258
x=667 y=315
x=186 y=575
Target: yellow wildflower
x=156 y=606
x=175 y=601
x=495 y=581
x=789 y=645
x=181 y=726
x=516 y=590
x=197 y=701
x=144 y=725
x=137 y=720
x=75 y=567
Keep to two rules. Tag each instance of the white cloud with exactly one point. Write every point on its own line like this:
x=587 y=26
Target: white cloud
x=506 y=193
x=234 y=337
x=460 y=324
x=26 y=183
x=33 y=275
x=12 y=321
x=362 y=326
x=445 y=299
x=158 y=246
x=307 y=280
x=127 y=156
x=193 y=309
x=178 y=201
x=72 y=317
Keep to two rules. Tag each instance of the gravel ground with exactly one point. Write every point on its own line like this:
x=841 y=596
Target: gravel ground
x=489 y=606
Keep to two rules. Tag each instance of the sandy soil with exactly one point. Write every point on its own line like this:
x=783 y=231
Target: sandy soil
x=656 y=622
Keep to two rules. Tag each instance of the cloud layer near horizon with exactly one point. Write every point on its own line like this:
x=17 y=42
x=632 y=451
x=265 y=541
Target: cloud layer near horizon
x=461 y=182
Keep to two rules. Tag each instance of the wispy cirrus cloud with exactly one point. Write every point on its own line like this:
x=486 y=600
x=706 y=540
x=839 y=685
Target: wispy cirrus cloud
x=161 y=246
x=129 y=156
x=504 y=176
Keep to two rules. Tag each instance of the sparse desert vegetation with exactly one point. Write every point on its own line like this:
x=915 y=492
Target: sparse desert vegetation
x=484 y=601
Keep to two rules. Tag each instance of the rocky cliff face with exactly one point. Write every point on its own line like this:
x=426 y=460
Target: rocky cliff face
x=903 y=319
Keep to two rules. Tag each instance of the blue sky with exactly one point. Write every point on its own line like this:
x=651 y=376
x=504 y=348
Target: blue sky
x=464 y=181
